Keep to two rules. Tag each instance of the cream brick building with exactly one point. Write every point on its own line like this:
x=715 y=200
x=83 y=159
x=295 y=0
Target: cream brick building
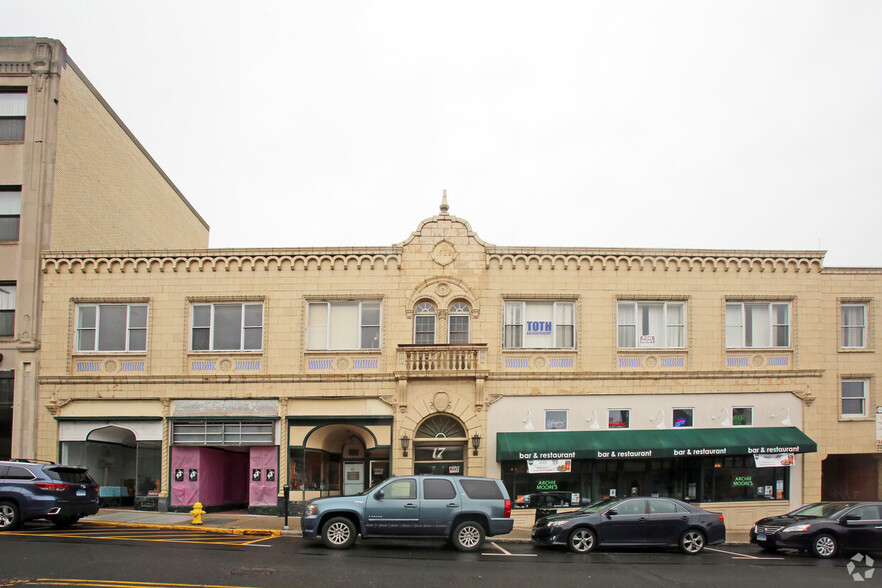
x=72 y=177
x=572 y=374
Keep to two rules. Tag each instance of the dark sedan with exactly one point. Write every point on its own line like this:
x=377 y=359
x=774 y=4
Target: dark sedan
x=824 y=529
x=632 y=522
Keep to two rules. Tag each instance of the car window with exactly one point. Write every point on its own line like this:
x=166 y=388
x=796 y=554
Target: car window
x=869 y=512
x=400 y=489
x=3 y=469
x=69 y=475
x=438 y=489
x=481 y=489
x=631 y=507
x=664 y=507
x=821 y=509
x=19 y=473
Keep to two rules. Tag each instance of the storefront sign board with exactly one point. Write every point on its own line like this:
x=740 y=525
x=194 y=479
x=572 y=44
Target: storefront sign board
x=549 y=466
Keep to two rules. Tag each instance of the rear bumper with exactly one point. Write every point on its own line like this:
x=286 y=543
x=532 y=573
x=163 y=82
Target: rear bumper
x=500 y=527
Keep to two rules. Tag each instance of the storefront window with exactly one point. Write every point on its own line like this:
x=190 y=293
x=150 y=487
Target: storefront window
x=619 y=419
x=742 y=416
x=315 y=470
x=682 y=417
x=737 y=478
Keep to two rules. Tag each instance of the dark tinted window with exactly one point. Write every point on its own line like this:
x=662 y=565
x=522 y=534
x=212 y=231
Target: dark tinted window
x=665 y=507
x=69 y=475
x=19 y=473
x=481 y=489
x=866 y=513
x=631 y=507
x=438 y=489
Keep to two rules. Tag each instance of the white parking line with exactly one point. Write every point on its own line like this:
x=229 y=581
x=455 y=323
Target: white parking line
x=508 y=553
x=741 y=555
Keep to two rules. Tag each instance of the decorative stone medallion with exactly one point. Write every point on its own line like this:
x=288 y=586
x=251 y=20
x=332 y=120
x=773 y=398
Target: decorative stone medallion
x=758 y=360
x=109 y=366
x=342 y=363
x=539 y=363
x=441 y=401
x=444 y=253
x=442 y=290
x=225 y=365
x=651 y=362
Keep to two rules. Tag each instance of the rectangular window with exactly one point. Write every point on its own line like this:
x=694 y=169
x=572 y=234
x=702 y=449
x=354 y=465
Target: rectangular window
x=344 y=325
x=539 y=325
x=111 y=327
x=555 y=420
x=620 y=419
x=763 y=324
x=854 y=398
x=682 y=417
x=424 y=329
x=13 y=108
x=742 y=416
x=458 y=329
x=7 y=310
x=10 y=212
x=226 y=326
x=854 y=325
x=652 y=324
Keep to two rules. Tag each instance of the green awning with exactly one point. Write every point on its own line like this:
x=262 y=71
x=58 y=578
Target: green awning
x=629 y=443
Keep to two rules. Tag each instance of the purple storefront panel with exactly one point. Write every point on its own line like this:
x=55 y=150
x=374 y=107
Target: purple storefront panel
x=184 y=492
x=263 y=488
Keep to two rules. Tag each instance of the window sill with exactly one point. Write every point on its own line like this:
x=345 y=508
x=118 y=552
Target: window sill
x=856 y=419
x=539 y=350
x=342 y=351
x=856 y=350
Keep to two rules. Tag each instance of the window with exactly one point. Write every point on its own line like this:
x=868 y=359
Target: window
x=652 y=324
x=742 y=416
x=631 y=507
x=750 y=324
x=539 y=325
x=866 y=513
x=400 y=490
x=13 y=108
x=481 y=489
x=7 y=310
x=10 y=211
x=657 y=506
x=854 y=398
x=424 y=324
x=458 y=321
x=111 y=327
x=682 y=417
x=343 y=325
x=619 y=419
x=227 y=327
x=438 y=489
x=555 y=420
x=854 y=325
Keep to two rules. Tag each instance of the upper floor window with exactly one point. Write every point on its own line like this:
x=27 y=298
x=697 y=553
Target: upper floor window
x=757 y=324
x=682 y=417
x=854 y=325
x=556 y=420
x=7 y=310
x=854 y=398
x=619 y=418
x=424 y=319
x=10 y=211
x=458 y=323
x=742 y=416
x=652 y=324
x=539 y=325
x=111 y=327
x=13 y=108
x=343 y=325
x=236 y=326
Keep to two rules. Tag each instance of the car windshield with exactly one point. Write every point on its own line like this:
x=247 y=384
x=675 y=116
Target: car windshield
x=70 y=475
x=599 y=506
x=821 y=509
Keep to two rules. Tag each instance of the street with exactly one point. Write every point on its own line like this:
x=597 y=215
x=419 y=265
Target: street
x=89 y=555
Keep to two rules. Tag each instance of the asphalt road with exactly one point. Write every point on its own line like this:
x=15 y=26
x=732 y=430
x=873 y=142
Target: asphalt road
x=117 y=558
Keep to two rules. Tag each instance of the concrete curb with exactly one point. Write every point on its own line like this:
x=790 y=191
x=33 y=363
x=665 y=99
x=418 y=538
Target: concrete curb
x=190 y=528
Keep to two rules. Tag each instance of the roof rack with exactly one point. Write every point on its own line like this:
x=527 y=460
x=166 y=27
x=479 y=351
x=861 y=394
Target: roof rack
x=32 y=460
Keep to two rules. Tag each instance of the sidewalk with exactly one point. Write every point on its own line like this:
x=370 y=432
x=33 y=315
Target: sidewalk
x=239 y=523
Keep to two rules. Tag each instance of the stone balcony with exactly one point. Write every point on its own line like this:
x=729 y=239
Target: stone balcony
x=444 y=360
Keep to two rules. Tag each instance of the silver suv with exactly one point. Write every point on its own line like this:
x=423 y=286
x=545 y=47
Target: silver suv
x=44 y=490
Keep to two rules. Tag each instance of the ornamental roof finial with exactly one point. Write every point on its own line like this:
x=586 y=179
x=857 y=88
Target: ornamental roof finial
x=444 y=206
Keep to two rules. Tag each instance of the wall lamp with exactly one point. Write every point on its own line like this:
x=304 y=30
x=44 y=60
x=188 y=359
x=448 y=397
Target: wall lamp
x=594 y=424
x=786 y=422
x=476 y=443
x=528 y=421
x=724 y=414
x=405 y=443
x=660 y=417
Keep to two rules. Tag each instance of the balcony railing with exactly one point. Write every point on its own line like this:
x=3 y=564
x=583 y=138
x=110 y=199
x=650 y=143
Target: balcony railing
x=435 y=359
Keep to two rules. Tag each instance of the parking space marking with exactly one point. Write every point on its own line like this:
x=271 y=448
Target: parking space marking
x=741 y=555
x=508 y=553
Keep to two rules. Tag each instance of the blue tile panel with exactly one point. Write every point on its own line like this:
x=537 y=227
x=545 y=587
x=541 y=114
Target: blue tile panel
x=517 y=362
x=364 y=364
x=131 y=366
x=88 y=366
x=630 y=362
x=204 y=366
x=248 y=365
x=672 y=362
x=778 y=361
x=321 y=364
x=561 y=362
x=736 y=362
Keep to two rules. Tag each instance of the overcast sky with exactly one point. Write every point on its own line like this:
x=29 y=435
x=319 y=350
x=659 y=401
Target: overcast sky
x=726 y=124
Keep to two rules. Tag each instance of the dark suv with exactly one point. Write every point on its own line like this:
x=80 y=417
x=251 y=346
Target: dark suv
x=45 y=490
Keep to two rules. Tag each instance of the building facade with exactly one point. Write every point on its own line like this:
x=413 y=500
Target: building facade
x=743 y=381
x=72 y=177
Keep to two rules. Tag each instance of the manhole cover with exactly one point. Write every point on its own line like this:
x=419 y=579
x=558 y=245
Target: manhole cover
x=252 y=571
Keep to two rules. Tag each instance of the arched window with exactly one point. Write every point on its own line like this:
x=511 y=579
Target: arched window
x=440 y=446
x=458 y=323
x=441 y=427
x=424 y=324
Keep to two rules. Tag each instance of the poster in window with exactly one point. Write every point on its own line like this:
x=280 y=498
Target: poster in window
x=193 y=475
x=255 y=475
x=179 y=475
x=271 y=475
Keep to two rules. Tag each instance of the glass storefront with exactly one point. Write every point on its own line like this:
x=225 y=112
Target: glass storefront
x=125 y=473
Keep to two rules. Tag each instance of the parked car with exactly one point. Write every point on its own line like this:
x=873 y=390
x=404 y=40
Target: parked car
x=824 y=529
x=59 y=493
x=547 y=500
x=632 y=522
x=462 y=510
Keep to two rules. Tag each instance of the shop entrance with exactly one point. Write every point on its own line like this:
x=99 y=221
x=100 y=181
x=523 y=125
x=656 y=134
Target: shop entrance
x=440 y=446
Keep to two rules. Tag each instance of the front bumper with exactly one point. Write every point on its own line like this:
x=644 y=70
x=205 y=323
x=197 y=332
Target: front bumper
x=309 y=526
x=548 y=535
x=799 y=540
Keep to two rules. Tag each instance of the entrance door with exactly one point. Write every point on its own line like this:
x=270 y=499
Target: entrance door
x=353 y=478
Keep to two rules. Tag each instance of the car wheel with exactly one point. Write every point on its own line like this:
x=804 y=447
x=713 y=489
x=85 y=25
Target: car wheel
x=64 y=521
x=582 y=541
x=9 y=518
x=468 y=536
x=824 y=546
x=692 y=542
x=338 y=533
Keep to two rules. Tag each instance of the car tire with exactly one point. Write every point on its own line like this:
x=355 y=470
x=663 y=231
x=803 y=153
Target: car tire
x=64 y=521
x=692 y=542
x=824 y=546
x=582 y=541
x=9 y=517
x=468 y=536
x=338 y=533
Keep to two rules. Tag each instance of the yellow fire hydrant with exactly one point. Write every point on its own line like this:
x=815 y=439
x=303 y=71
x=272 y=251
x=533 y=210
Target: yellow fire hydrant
x=197 y=513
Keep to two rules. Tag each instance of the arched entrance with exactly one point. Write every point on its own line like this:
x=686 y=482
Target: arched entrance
x=338 y=460
x=440 y=446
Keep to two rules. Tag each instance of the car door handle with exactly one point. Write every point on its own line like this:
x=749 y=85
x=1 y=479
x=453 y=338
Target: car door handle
x=452 y=504
x=684 y=518
x=642 y=519
x=410 y=505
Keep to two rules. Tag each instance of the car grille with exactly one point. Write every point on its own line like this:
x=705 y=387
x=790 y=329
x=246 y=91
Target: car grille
x=768 y=530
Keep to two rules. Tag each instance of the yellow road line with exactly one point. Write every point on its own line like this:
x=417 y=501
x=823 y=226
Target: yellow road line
x=111 y=583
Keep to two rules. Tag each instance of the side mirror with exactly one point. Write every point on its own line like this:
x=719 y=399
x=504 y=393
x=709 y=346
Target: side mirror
x=611 y=512
x=378 y=495
x=849 y=518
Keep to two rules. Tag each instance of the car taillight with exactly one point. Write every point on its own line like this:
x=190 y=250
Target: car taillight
x=507 y=514
x=96 y=487
x=53 y=487
x=721 y=518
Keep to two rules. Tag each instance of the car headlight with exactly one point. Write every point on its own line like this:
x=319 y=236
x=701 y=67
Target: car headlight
x=755 y=530
x=557 y=523
x=310 y=509
x=795 y=528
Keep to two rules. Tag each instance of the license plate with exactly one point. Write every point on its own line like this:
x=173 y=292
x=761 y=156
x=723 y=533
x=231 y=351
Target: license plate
x=81 y=492
x=760 y=537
